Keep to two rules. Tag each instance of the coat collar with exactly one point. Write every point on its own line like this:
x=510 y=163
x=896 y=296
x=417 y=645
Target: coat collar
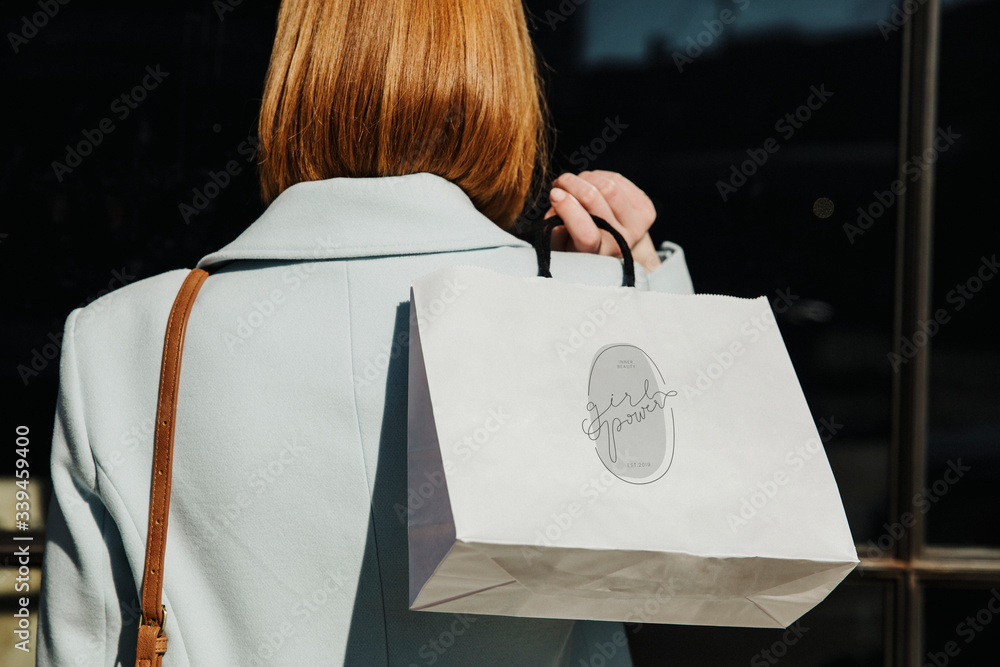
x=365 y=217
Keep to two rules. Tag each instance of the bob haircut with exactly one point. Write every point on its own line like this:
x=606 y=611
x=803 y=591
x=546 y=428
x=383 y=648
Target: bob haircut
x=365 y=88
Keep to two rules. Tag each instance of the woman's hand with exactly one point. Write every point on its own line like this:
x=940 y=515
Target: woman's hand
x=607 y=195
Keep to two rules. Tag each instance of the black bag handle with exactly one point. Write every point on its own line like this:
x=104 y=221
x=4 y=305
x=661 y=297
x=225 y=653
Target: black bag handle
x=543 y=247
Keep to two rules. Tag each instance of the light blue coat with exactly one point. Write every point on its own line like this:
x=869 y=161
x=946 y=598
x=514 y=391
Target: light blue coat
x=287 y=536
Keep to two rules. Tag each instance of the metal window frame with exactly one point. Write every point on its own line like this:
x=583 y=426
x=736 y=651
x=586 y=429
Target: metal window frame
x=915 y=564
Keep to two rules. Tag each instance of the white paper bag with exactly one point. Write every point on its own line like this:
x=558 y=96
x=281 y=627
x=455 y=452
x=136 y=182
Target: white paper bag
x=606 y=453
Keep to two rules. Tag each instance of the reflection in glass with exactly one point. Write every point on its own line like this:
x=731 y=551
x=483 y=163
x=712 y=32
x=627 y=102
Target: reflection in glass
x=961 y=627
x=964 y=402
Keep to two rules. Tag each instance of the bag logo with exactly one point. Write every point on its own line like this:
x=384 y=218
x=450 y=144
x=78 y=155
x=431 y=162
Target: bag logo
x=630 y=423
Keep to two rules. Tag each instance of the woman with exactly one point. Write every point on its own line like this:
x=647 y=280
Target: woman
x=397 y=137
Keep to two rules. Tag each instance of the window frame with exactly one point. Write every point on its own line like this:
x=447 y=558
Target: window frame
x=914 y=564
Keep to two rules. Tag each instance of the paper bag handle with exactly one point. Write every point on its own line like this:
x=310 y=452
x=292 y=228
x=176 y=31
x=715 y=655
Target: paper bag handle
x=543 y=247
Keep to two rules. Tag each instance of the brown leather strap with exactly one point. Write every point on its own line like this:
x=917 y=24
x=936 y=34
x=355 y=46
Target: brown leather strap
x=151 y=647
x=152 y=642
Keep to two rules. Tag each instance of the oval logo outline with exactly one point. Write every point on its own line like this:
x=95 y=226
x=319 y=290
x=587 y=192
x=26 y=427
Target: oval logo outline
x=612 y=373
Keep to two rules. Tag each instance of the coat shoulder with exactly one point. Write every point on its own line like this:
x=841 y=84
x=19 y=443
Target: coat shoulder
x=141 y=299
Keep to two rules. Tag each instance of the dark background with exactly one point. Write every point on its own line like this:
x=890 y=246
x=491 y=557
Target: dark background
x=117 y=217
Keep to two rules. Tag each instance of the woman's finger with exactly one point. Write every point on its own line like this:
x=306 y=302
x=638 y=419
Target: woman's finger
x=584 y=235
x=605 y=194
x=592 y=200
x=636 y=197
x=621 y=207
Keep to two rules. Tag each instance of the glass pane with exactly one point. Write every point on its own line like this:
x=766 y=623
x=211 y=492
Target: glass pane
x=845 y=629
x=762 y=132
x=963 y=469
x=961 y=627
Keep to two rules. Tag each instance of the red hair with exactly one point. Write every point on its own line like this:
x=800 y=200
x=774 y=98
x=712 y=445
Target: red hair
x=365 y=88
